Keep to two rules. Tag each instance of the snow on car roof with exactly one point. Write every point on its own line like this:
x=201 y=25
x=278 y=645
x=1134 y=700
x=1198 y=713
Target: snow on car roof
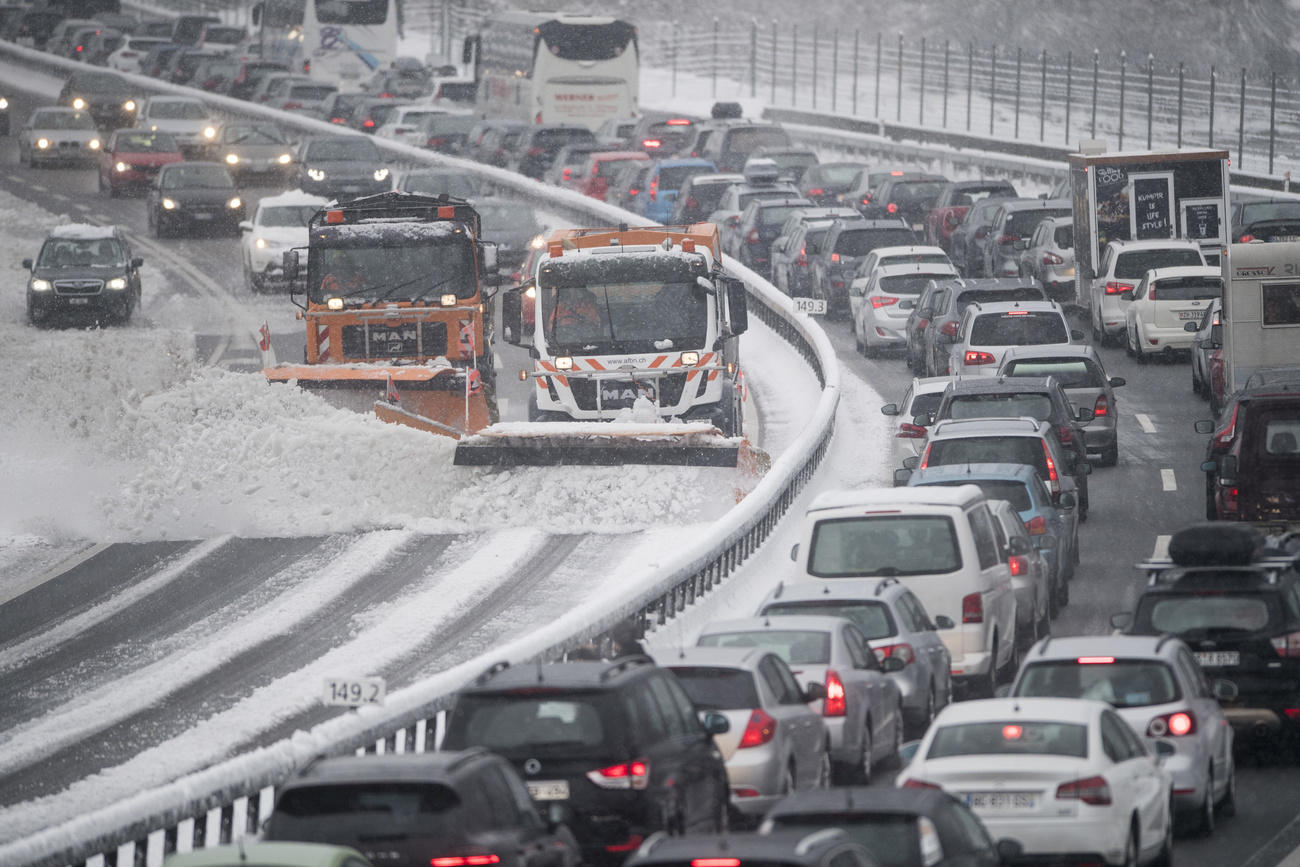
x=295 y=197
x=82 y=231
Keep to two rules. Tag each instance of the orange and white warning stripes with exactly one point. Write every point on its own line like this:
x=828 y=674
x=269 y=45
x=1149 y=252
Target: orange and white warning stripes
x=659 y=362
x=322 y=342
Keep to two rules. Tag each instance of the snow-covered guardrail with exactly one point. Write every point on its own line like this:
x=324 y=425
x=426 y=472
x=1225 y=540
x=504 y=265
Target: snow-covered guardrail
x=229 y=800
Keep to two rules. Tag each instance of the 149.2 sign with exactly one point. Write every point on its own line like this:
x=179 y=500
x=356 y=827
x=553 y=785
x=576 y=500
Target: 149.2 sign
x=353 y=691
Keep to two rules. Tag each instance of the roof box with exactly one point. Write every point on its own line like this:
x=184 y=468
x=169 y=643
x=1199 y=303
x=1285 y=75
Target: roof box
x=1215 y=544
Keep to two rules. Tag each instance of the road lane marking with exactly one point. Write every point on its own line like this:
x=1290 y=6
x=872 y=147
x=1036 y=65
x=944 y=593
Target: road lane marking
x=58 y=197
x=38 y=188
x=497 y=363
x=1161 y=550
x=55 y=571
x=81 y=207
x=1167 y=480
x=1144 y=421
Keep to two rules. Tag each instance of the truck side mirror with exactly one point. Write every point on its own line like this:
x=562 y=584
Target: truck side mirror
x=737 y=307
x=490 y=258
x=794 y=551
x=137 y=262
x=512 y=319
x=943 y=621
x=1126 y=295
x=1018 y=546
x=291 y=266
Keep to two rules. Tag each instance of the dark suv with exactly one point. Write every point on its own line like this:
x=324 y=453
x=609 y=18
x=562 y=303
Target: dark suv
x=1252 y=462
x=1233 y=595
x=616 y=748
x=83 y=269
x=403 y=810
x=540 y=145
x=847 y=242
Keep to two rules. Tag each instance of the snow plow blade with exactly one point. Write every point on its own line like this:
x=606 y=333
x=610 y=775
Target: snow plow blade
x=430 y=399
x=599 y=444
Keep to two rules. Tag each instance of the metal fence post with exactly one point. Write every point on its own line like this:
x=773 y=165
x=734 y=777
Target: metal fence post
x=1272 y=120
x=676 y=47
x=920 y=111
x=1241 y=124
x=835 y=69
x=970 y=79
x=1123 y=82
x=715 y=56
x=1069 y=86
x=1016 y=127
x=856 y=35
x=1096 y=65
x=1181 y=70
x=1042 y=101
x=898 y=107
x=1151 y=66
x=880 y=46
x=946 y=46
x=993 y=84
x=794 y=62
x=753 y=57
x=773 y=99
x=814 y=67
x=1213 y=81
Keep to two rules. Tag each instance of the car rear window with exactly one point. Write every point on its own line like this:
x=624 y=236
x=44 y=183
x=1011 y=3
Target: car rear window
x=1010 y=737
x=310 y=91
x=1012 y=491
x=918 y=259
x=1033 y=404
x=838 y=176
x=988 y=450
x=1118 y=682
x=1018 y=328
x=1281 y=435
x=910 y=284
x=1134 y=264
x=609 y=168
x=747 y=140
x=718 y=688
x=884 y=545
x=344 y=812
x=928 y=402
x=1064 y=237
x=981 y=296
x=671 y=178
x=1023 y=223
x=914 y=191
x=776 y=215
x=863 y=241
x=554 y=139
x=1069 y=372
x=796 y=647
x=1196 y=615
x=892 y=838
x=559 y=722
x=872 y=618
x=1187 y=289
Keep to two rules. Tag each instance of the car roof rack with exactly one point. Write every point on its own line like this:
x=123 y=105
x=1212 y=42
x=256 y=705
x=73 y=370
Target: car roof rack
x=492 y=671
x=622 y=665
x=885 y=582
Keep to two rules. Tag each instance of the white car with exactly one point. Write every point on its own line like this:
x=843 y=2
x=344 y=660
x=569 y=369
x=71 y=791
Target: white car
x=58 y=135
x=186 y=118
x=1163 y=303
x=279 y=224
x=881 y=309
x=1121 y=267
x=916 y=254
x=406 y=125
x=128 y=57
x=1066 y=778
x=923 y=396
x=987 y=331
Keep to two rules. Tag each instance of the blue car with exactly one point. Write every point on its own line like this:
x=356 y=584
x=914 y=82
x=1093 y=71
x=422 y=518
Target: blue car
x=663 y=182
x=1020 y=485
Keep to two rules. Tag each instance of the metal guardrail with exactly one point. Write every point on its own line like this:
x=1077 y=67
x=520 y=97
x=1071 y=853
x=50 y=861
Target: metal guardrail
x=228 y=801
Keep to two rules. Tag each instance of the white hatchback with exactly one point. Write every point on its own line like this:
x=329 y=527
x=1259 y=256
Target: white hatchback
x=187 y=119
x=987 y=331
x=1121 y=267
x=1163 y=303
x=886 y=301
x=1066 y=778
x=279 y=224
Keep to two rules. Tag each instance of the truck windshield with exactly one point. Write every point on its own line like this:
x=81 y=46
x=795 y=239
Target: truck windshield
x=632 y=304
x=392 y=272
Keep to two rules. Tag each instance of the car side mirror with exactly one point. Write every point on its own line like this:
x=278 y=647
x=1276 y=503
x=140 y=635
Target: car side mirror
x=1191 y=327
x=814 y=691
x=715 y=723
x=943 y=621
x=1009 y=850
x=1085 y=414
x=1227 y=469
x=892 y=664
x=887 y=409
x=1204 y=426
x=901 y=477
x=1210 y=466
x=1076 y=335
x=27 y=264
x=1126 y=295
x=1224 y=690
x=794 y=551
x=1067 y=500
x=245 y=225
x=911 y=462
x=1018 y=546
x=1117 y=381
x=137 y=262
x=1003 y=691
x=1121 y=621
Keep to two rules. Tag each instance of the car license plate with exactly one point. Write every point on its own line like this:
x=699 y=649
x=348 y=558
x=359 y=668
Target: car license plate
x=549 y=790
x=811 y=306
x=1002 y=800
x=1190 y=315
x=202 y=216
x=1217 y=658
x=78 y=300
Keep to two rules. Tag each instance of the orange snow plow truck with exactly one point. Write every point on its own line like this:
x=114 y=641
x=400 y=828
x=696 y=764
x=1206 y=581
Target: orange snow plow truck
x=397 y=315
x=634 y=335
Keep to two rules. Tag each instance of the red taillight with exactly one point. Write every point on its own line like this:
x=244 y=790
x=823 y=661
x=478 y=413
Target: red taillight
x=654 y=190
x=368 y=122
x=835 y=257
x=892 y=208
x=817 y=191
x=1092 y=790
x=1037 y=525
x=1065 y=433
x=465 y=861
x=909 y=431
x=949 y=328
x=760 y=729
x=834 y=704
x=433 y=142
x=633 y=191
x=1223 y=438
x=866 y=200
x=566 y=174
x=896 y=651
x=802 y=258
x=1018 y=565
x=922 y=324
x=632 y=843
x=883 y=301
x=752 y=237
x=1113 y=288
x=1101 y=408
x=925 y=458
x=534 y=152
x=385 y=96
x=972 y=608
x=629 y=775
x=919 y=784
x=651 y=143
x=292 y=105
x=1008 y=239
x=1230 y=503
x=1051 y=465
x=1287 y=645
x=715 y=862
x=1096 y=660
x=338 y=120
x=1246 y=239
x=1175 y=724
x=1151 y=293
x=128 y=54
x=1052 y=259
x=973 y=356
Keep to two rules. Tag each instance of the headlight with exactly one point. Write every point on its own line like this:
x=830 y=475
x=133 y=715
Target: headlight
x=4 y=103
x=117 y=283
x=234 y=203
x=380 y=174
x=93 y=144
x=129 y=105
x=690 y=359
x=530 y=293
x=120 y=167
x=78 y=103
x=42 y=143
x=209 y=132
x=316 y=174
x=334 y=303
x=284 y=159
x=563 y=362
x=449 y=300
x=261 y=244
x=40 y=285
x=169 y=204
x=232 y=159
x=538 y=242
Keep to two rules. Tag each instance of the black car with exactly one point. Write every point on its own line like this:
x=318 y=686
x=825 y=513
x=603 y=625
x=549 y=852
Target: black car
x=83 y=271
x=403 y=810
x=616 y=747
x=345 y=165
x=110 y=98
x=539 y=146
x=249 y=75
x=899 y=827
x=907 y=196
x=800 y=848
x=253 y=149
x=1233 y=595
x=760 y=225
x=824 y=183
x=197 y=196
x=836 y=259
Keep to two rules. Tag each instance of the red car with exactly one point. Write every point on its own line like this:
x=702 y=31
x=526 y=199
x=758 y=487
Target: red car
x=601 y=168
x=132 y=158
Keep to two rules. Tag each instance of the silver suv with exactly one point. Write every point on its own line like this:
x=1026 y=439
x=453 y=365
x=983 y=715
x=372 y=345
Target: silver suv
x=987 y=331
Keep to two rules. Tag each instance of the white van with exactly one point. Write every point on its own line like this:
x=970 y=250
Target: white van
x=942 y=544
